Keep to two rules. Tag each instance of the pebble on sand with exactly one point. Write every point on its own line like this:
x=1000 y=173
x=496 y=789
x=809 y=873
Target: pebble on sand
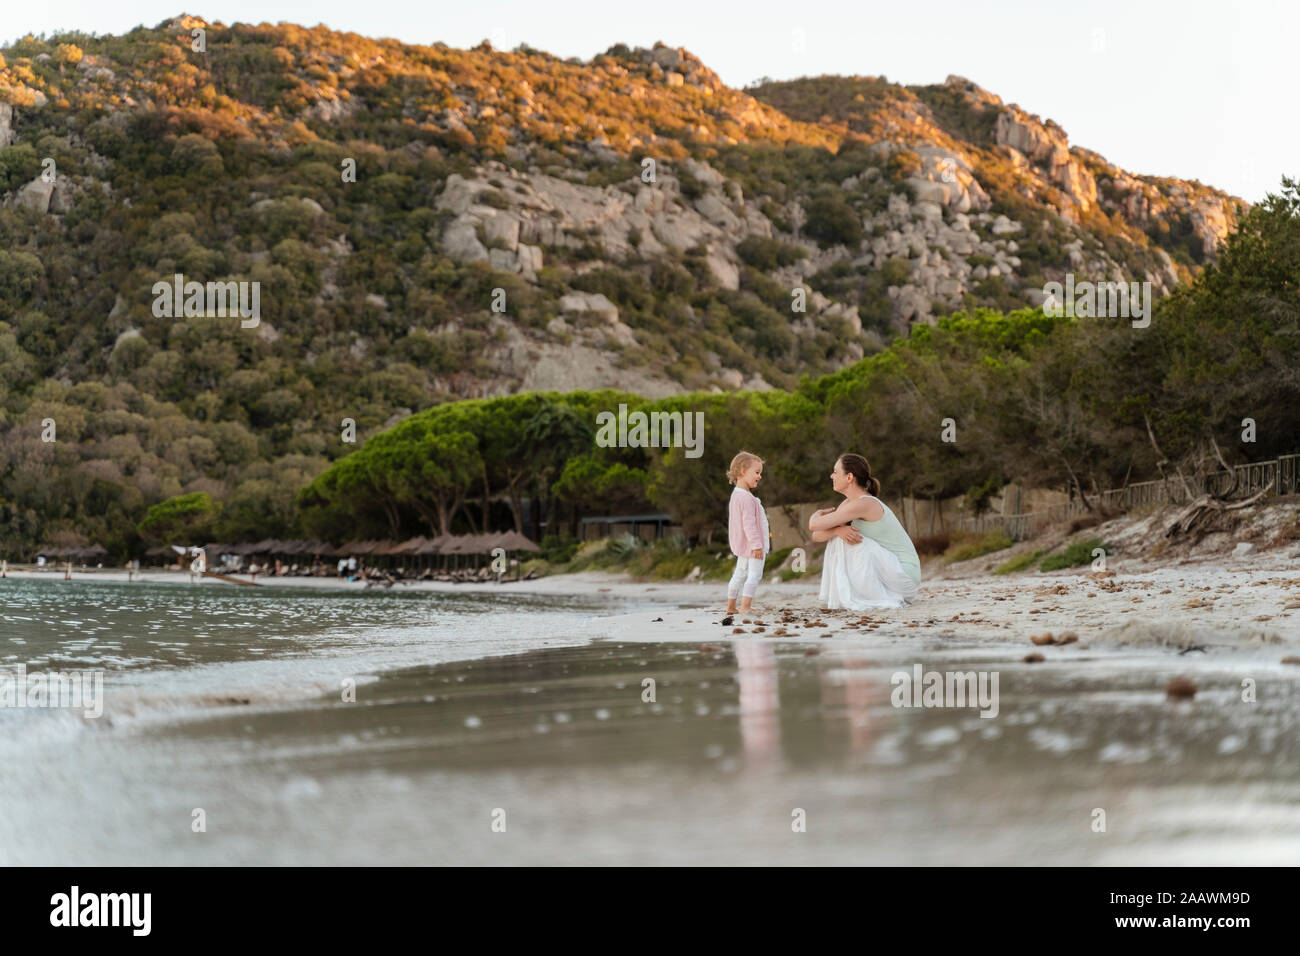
x=1069 y=637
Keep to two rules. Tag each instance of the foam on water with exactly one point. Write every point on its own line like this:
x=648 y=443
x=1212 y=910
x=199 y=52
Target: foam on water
x=171 y=693
x=151 y=676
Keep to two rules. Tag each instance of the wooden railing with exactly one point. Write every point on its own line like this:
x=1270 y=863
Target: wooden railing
x=1280 y=476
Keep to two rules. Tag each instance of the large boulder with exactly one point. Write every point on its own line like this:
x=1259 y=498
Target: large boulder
x=36 y=195
x=530 y=259
x=1046 y=146
x=1002 y=226
x=1027 y=136
x=712 y=208
x=725 y=271
x=1211 y=225
x=502 y=228
x=460 y=242
x=666 y=57
x=594 y=303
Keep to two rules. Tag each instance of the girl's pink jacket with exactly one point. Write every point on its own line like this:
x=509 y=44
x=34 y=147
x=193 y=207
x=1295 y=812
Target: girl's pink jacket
x=746 y=524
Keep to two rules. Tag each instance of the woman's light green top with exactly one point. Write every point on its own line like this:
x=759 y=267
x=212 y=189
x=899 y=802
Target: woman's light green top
x=889 y=534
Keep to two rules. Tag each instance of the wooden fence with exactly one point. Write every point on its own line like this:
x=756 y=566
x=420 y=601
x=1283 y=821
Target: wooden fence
x=1280 y=476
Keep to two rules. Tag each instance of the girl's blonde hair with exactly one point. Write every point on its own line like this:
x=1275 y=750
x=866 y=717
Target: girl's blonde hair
x=741 y=463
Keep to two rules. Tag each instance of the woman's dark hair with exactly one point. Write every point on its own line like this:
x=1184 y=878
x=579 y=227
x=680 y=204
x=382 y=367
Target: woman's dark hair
x=857 y=466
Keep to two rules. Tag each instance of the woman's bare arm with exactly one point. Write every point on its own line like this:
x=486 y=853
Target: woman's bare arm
x=850 y=534
x=828 y=518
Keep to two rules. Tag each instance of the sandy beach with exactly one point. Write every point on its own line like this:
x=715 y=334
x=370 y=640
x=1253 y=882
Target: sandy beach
x=1204 y=595
x=529 y=698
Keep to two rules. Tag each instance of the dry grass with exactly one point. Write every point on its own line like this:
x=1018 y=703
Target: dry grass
x=966 y=547
x=929 y=545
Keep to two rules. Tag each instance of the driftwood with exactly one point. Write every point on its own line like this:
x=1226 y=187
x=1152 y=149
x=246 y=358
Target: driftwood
x=1200 y=511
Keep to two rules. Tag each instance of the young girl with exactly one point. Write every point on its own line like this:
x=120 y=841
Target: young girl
x=747 y=530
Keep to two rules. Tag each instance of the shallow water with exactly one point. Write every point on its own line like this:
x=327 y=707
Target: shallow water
x=559 y=743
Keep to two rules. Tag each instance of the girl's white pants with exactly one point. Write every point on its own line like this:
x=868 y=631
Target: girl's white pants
x=744 y=580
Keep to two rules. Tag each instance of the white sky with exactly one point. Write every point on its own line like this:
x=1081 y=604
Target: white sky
x=1199 y=89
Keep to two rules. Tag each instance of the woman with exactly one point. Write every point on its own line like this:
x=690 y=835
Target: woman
x=870 y=561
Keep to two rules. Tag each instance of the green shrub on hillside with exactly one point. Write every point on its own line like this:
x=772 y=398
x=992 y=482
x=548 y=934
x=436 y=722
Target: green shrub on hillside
x=768 y=254
x=976 y=546
x=1018 y=563
x=1075 y=555
x=832 y=221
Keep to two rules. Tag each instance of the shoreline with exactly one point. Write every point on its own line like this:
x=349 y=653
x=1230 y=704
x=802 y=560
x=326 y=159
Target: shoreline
x=1256 y=598
x=542 y=717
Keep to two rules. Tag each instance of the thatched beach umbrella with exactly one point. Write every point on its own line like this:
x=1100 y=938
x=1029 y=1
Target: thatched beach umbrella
x=458 y=544
x=514 y=541
x=454 y=544
x=322 y=548
x=430 y=547
x=409 y=549
x=435 y=545
x=475 y=544
x=486 y=543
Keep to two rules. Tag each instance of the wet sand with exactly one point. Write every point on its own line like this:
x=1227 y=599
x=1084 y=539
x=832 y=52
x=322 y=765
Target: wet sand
x=746 y=734
x=740 y=737
x=1255 y=597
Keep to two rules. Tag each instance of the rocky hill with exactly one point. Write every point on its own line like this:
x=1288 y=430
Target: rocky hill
x=656 y=222
x=427 y=223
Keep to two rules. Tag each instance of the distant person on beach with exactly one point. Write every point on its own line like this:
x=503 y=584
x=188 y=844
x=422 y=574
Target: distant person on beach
x=870 y=562
x=747 y=530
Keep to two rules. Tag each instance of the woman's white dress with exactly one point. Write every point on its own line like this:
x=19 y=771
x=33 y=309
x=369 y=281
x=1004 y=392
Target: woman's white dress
x=863 y=576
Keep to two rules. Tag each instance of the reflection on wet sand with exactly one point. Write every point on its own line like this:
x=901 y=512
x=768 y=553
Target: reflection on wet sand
x=848 y=690
x=849 y=687
x=760 y=700
x=592 y=772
